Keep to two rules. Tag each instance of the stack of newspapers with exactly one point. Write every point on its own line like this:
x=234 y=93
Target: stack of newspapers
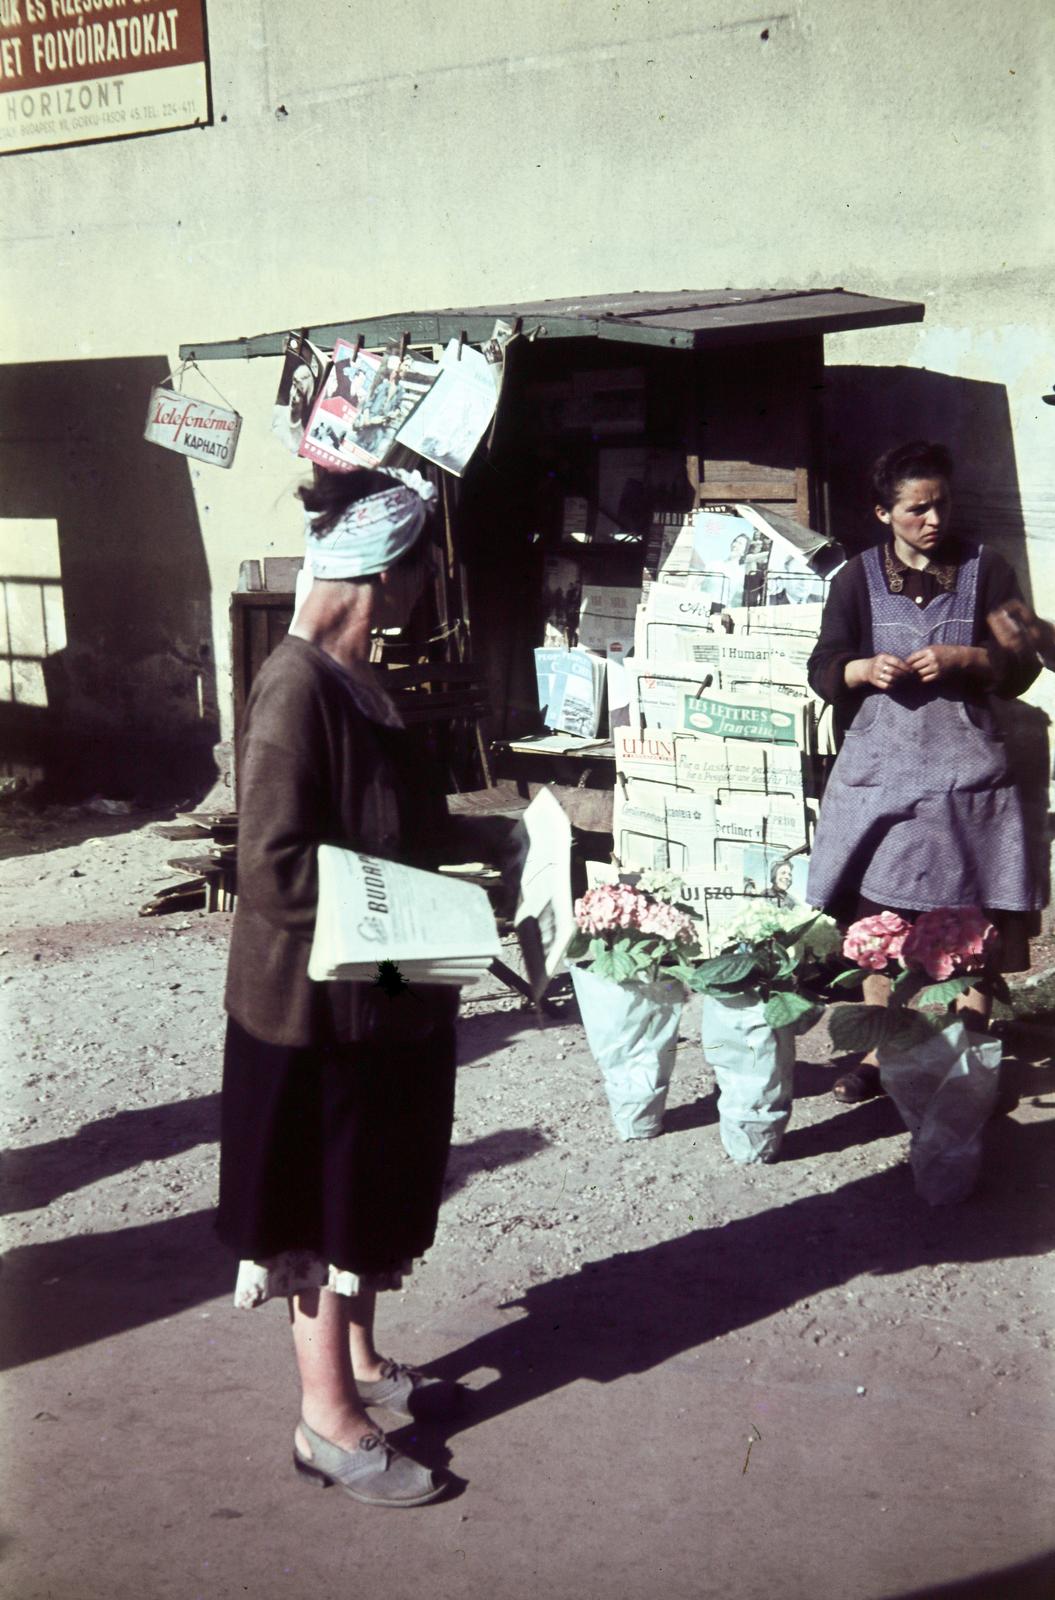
x=380 y=921
x=717 y=764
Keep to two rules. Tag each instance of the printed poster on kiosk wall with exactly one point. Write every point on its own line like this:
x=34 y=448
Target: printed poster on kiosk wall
x=71 y=73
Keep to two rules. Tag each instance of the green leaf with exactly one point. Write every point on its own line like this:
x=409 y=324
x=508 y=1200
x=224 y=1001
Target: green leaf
x=602 y=962
x=785 y=1008
x=729 y=968
x=622 y=966
x=864 y=1027
x=849 y=980
x=903 y=980
x=917 y=1029
x=782 y=964
x=943 y=994
x=790 y=936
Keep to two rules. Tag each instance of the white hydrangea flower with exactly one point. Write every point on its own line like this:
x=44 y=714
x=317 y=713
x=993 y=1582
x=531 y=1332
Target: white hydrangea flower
x=662 y=883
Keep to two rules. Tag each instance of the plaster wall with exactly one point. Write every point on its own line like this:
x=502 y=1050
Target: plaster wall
x=365 y=160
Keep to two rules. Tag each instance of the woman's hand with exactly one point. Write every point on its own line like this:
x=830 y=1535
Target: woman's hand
x=881 y=671
x=1018 y=629
x=940 y=661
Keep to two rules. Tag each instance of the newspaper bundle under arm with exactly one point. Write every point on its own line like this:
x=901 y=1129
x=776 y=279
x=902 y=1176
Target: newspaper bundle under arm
x=378 y=918
x=371 y=911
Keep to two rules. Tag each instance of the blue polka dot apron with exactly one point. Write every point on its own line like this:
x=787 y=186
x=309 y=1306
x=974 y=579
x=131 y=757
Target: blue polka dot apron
x=920 y=809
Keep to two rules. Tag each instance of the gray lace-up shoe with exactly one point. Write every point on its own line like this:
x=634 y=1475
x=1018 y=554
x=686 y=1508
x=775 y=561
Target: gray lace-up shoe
x=408 y=1393
x=374 y=1472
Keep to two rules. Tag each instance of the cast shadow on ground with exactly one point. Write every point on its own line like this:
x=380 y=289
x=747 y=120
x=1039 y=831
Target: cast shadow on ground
x=636 y=1310
x=699 y=1113
x=70 y=1292
x=1020 y=1078
x=507 y=1147
x=812 y=1080
x=27 y=830
x=485 y=1032
x=1027 y=1580
x=625 y=1314
x=74 y=1291
x=37 y=1174
x=850 y=1126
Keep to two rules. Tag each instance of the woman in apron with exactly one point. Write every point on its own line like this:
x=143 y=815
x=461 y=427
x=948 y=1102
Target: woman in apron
x=920 y=810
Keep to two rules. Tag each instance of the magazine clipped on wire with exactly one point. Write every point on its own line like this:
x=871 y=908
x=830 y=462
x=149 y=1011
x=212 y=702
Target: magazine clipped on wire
x=304 y=371
x=379 y=920
x=364 y=402
x=452 y=419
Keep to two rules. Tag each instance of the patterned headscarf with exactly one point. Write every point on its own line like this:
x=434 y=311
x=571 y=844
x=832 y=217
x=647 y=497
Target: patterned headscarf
x=372 y=533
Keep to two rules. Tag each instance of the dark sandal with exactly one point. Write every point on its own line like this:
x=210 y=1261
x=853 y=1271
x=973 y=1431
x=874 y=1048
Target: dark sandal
x=860 y=1083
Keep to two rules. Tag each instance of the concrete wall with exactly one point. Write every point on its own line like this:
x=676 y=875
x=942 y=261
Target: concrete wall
x=369 y=159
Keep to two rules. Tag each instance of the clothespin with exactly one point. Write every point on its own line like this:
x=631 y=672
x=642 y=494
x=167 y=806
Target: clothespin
x=461 y=343
x=404 y=341
x=358 y=346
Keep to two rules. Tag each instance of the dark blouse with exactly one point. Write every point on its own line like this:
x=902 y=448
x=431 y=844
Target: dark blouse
x=324 y=759
x=846 y=626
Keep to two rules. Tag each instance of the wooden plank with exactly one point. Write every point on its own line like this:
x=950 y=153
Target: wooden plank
x=458 y=702
x=418 y=712
x=280 y=573
x=262 y=600
x=800 y=326
x=802 y=497
x=400 y=677
x=277 y=628
x=747 y=489
x=752 y=471
x=239 y=661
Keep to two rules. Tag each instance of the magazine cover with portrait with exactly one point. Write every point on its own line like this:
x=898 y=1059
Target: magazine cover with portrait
x=303 y=374
x=768 y=870
x=365 y=401
x=716 y=553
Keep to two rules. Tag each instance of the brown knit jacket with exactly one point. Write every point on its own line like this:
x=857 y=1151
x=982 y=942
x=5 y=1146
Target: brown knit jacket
x=316 y=767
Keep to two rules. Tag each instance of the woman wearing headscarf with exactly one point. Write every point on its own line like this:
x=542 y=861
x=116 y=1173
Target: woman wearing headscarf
x=338 y=1097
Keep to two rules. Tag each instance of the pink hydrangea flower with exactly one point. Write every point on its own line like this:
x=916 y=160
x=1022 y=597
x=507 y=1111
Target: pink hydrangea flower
x=610 y=908
x=616 y=908
x=667 y=922
x=949 y=941
x=873 y=942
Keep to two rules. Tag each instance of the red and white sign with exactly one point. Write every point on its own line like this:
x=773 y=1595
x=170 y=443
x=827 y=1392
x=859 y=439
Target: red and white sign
x=192 y=427
x=73 y=71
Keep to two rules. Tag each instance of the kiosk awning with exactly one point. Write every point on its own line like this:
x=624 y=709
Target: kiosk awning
x=685 y=319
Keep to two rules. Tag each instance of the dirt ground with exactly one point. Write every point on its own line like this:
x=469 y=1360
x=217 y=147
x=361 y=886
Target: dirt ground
x=688 y=1379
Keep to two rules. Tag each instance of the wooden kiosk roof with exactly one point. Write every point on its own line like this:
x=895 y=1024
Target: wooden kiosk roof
x=684 y=319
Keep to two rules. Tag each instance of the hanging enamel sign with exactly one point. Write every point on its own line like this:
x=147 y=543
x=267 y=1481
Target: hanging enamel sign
x=192 y=428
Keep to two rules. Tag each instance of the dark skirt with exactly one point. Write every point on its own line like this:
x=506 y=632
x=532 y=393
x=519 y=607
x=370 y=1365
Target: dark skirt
x=340 y=1151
